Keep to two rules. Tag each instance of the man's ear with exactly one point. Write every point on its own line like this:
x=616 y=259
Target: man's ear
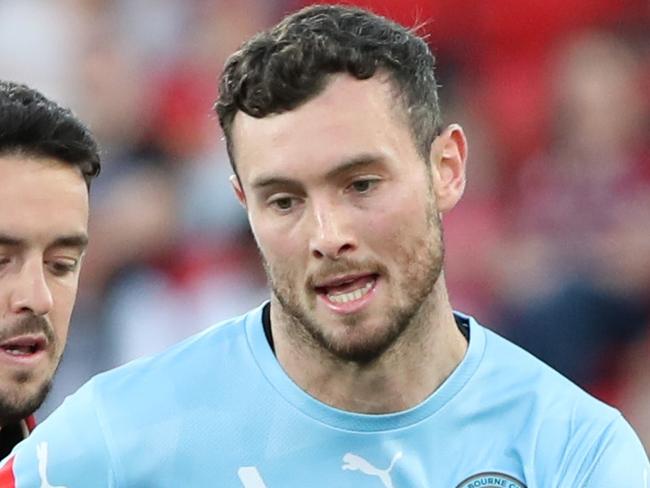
x=239 y=191
x=447 y=159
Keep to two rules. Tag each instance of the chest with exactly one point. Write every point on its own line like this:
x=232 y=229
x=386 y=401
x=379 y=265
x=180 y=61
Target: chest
x=296 y=452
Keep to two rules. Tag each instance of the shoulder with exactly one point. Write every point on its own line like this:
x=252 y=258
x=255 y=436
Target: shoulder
x=72 y=433
x=619 y=459
x=186 y=366
x=616 y=458
x=521 y=373
x=569 y=432
x=100 y=428
x=153 y=389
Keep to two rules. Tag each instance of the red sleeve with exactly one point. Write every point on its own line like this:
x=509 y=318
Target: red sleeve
x=7 y=479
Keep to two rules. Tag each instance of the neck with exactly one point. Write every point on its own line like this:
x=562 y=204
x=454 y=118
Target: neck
x=412 y=368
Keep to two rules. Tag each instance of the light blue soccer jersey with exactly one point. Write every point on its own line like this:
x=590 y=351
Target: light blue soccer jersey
x=218 y=411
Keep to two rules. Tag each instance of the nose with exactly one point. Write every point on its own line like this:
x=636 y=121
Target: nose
x=31 y=291
x=332 y=235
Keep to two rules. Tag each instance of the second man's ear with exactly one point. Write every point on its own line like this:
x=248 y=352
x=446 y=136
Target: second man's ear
x=239 y=191
x=447 y=159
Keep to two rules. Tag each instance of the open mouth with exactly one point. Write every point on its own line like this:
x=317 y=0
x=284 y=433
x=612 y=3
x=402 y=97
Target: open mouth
x=23 y=346
x=347 y=289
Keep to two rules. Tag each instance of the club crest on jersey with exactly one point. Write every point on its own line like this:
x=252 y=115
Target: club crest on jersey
x=490 y=480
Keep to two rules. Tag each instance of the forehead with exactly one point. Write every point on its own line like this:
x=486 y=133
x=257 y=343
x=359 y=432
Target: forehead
x=41 y=197
x=350 y=117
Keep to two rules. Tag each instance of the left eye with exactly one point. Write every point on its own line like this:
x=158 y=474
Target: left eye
x=362 y=186
x=61 y=268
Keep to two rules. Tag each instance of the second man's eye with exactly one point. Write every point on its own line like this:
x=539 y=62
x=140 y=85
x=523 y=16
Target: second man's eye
x=62 y=268
x=283 y=203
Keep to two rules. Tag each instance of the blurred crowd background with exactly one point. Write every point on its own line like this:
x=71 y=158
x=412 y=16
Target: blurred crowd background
x=550 y=246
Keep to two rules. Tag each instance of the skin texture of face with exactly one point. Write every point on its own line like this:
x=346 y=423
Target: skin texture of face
x=345 y=212
x=43 y=235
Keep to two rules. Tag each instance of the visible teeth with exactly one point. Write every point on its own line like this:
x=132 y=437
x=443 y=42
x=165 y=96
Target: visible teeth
x=19 y=351
x=352 y=295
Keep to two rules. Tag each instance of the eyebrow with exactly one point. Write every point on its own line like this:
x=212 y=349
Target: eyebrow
x=346 y=166
x=73 y=240
x=9 y=241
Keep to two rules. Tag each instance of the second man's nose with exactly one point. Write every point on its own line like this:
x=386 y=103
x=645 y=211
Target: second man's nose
x=31 y=291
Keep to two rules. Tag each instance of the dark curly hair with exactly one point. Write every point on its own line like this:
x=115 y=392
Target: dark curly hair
x=280 y=69
x=34 y=125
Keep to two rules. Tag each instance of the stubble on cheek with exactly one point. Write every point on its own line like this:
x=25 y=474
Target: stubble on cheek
x=413 y=255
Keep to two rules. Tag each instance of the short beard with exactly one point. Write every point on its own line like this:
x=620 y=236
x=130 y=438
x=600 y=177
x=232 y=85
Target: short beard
x=424 y=273
x=14 y=411
x=12 y=406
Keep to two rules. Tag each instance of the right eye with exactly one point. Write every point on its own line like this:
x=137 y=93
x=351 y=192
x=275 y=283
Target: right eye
x=63 y=267
x=283 y=203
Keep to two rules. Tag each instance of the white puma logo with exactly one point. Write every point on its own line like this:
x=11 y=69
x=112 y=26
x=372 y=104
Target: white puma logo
x=41 y=454
x=353 y=462
x=250 y=477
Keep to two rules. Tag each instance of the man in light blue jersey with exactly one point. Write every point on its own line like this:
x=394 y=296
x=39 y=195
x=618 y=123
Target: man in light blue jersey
x=357 y=373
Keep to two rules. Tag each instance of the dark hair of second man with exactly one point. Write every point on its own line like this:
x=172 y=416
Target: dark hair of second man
x=33 y=125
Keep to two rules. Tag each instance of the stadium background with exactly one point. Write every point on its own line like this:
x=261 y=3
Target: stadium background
x=550 y=246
